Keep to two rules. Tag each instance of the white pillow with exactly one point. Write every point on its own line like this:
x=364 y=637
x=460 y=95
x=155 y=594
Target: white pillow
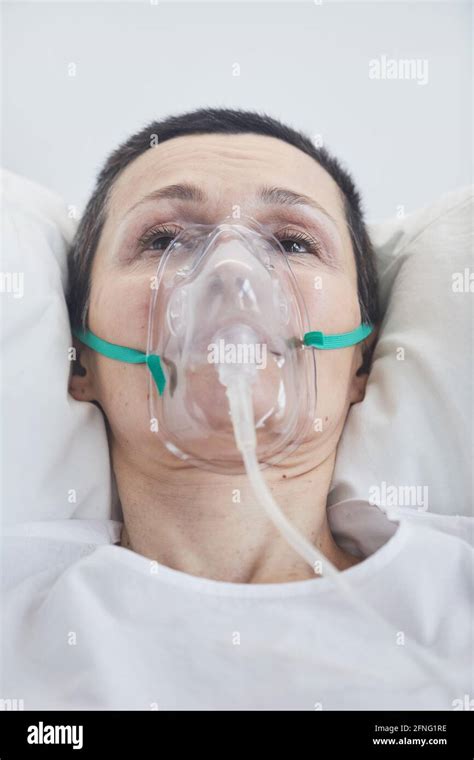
x=409 y=444
x=55 y=457
x=413 y=428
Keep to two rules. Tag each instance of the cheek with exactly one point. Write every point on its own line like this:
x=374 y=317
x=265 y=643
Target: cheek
x=331 y=301
x=333 y=307
x=123 y=396
x=119 y=309
x=334 y=371
x=118 y=313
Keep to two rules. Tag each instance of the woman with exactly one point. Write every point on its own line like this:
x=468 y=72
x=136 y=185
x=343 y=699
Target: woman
x=198 y=601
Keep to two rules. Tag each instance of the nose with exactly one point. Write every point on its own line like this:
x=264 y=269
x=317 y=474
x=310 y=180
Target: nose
x=232 y=287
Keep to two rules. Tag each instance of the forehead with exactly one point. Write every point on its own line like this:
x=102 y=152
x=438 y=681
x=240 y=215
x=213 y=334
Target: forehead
x=229 y=169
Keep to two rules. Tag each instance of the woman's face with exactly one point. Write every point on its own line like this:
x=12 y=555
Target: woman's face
x=204 y=179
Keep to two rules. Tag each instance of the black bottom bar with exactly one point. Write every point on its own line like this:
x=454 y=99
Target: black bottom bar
x=377 y=734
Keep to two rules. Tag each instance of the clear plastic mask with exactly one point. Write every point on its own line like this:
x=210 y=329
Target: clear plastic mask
x=226 y=297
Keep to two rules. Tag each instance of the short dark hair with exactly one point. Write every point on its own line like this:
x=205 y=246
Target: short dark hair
x=213 y=121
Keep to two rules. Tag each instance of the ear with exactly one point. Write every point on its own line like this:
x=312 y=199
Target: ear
x=81 y=380
x=361 y=367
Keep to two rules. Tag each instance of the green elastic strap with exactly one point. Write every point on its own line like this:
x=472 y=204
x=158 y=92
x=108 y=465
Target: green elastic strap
x=124 y=354
x=153 y=361
x=340 y=340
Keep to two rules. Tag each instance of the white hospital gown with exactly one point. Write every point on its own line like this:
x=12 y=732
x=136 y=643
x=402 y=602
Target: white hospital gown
x=88 y=624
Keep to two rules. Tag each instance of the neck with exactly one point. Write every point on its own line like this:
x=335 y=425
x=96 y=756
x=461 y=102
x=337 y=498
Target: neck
x=210 y=525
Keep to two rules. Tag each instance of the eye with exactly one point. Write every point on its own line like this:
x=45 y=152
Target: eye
x=293 y=246
x=158 y=238
x=296 y=242
x=160 y=243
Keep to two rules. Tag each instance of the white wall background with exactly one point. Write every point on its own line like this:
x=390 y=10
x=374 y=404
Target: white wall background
x=304 y=62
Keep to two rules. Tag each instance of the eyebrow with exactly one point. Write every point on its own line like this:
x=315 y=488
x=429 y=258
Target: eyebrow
x=274 y=196
x=281 y=196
